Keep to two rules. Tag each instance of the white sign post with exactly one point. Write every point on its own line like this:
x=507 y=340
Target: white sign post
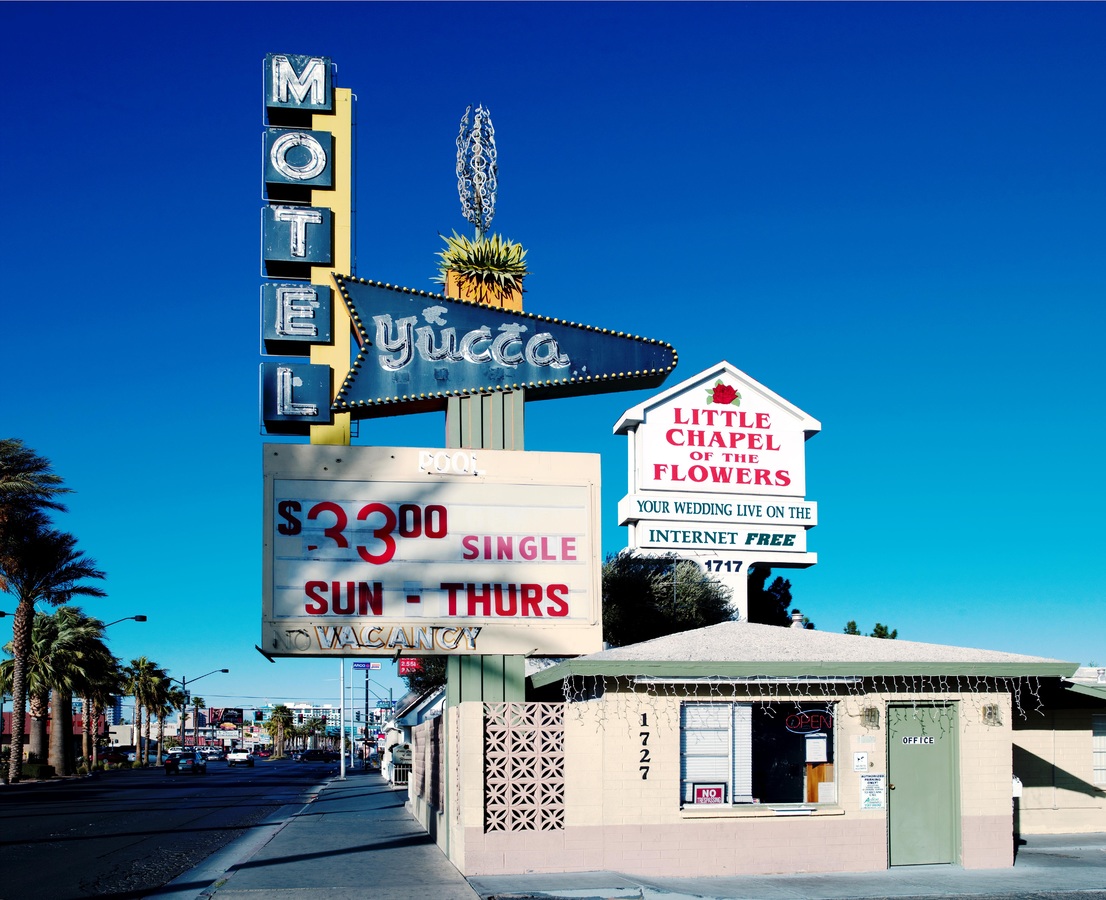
x=717 y=474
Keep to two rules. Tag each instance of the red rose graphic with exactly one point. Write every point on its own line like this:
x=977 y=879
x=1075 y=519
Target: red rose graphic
x=723 y=394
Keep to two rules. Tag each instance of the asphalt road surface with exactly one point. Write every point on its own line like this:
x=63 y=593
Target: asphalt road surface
x=125 y=833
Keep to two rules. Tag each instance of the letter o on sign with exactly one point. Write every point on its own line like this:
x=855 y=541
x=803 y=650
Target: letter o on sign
x=316 y=156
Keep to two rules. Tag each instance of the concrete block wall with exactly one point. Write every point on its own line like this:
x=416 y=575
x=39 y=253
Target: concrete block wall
x=1052 y=757
x=617 y=819
x=986 y=782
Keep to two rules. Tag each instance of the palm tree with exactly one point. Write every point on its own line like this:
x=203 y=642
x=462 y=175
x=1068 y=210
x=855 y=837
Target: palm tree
x=36 y=667
x=5 y=689
x=37 y=693
x=27 y=486
x=26 y=477
x=76 y=658
x=278 y=725
x=103 y=684
x=197 y=705
x=39 y=563
x=178 y=700
x=313 y=727
x=166 y=698
x=141 y=678
x=153 y=704
x=296 y=732
x=66 y=651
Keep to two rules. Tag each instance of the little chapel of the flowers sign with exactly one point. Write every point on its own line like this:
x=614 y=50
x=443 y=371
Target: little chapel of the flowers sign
x=717 y=473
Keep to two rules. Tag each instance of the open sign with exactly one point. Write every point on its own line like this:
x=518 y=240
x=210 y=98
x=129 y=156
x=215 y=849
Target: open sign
x=709 y=793
x=809 y=721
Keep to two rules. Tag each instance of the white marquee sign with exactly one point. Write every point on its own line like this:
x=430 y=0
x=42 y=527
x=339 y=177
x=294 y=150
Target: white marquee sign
x=386 y=550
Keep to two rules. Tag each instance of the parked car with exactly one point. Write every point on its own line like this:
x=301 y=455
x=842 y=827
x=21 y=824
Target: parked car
x=319 y=756
x=114 y=757
x=191 y=763
x=239 y=757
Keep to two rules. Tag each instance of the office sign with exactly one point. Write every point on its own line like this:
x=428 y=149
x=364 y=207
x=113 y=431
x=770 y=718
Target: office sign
x=377 y=550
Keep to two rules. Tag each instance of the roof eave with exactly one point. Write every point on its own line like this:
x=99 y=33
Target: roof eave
x=694 y=671
x=1097 y=691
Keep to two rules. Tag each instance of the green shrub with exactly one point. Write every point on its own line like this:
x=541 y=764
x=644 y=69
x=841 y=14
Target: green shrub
x=37 y=771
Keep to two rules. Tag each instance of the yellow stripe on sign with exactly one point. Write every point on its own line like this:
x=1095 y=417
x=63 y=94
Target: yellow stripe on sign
x=340 y=201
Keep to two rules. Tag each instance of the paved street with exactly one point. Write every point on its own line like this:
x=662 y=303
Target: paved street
x=356 y=840
x=289 y=831
x=128 y=832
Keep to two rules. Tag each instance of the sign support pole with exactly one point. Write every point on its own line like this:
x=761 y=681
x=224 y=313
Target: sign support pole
x=489 y=422
x=340 y=202
x=342 y=721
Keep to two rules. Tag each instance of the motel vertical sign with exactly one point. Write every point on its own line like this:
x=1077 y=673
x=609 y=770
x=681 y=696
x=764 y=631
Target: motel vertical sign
x=305 y=234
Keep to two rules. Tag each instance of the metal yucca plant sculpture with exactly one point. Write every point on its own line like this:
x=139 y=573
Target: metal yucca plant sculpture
x=477 y=169
x=489 y=268
x=494 y=262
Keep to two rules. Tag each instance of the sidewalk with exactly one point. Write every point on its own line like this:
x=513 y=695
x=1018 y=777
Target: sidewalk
x=356 y=840
x=1071 y=866
x=353 y=841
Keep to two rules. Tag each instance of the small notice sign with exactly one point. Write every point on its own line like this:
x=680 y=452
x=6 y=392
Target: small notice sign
x=707 y=794
x=817 y=748
x=872 y=791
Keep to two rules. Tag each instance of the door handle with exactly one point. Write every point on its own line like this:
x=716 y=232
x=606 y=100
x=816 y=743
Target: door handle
x=891 y=786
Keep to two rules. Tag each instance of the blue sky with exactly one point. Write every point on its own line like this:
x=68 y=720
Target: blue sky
x=892 y=215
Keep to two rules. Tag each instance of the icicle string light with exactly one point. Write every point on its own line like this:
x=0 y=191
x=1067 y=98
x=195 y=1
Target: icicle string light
x=627 y=696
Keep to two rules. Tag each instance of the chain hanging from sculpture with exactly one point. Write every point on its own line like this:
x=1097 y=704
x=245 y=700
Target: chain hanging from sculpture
x=477 y=169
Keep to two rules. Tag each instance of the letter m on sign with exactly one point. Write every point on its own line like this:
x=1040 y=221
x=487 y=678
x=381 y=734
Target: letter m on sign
x=298 y=82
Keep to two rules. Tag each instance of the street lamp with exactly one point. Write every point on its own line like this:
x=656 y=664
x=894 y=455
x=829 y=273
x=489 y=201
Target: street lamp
x=126 y=619
x=368 y=690
x=96 y=723
x=183 y=682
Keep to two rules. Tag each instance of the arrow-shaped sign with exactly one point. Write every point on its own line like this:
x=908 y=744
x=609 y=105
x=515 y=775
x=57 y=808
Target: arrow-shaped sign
x=419 y=349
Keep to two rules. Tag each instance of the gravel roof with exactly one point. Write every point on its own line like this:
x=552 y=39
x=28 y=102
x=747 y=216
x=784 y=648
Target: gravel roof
x=746 y=642
x=742 y=648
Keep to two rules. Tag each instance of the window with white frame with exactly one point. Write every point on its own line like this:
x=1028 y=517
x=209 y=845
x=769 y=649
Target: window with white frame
x=1098 y=747
x=736 y=753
